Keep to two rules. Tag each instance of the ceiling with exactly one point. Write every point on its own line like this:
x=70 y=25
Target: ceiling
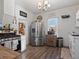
x=55 y=4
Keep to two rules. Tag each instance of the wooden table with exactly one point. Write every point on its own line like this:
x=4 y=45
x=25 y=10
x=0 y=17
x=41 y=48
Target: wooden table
x=6 y=53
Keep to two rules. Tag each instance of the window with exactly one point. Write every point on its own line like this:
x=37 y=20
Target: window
x=53 y=22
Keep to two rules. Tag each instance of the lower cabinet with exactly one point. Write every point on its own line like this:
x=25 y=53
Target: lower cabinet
x=13 y=43
x=23 y=43
x=74 y=46
x=51 y=40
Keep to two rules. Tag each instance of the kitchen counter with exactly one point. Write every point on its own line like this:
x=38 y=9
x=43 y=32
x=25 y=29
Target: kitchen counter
x=9 y=40
x=8 y=35
x=6 y=53
x=74 y=46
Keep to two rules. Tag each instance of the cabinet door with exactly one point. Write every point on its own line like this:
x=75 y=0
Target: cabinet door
x=77 y=15
x=9 y=7
x=23 y=43
x=1 y=9
x=77 y=19
x=76 y=48
x=77 y=22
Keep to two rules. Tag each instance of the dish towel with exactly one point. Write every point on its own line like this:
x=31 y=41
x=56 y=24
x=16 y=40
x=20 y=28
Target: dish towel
x=15 y=43
x=8 y=44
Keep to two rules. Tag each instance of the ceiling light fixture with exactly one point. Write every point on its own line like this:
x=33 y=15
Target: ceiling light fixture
x=43 y=5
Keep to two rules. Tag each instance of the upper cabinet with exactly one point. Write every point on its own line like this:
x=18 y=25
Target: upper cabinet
x=9 y=7
x=8 y=12
x=1 y=9
x=77 y=19
x=77 y=15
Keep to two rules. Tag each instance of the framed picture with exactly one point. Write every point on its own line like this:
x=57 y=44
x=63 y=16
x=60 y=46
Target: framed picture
x=21 y=28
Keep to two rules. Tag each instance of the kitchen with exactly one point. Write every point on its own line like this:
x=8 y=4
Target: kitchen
x=16 y=20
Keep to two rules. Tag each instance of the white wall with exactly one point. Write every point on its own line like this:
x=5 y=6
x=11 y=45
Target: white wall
x=66 y=25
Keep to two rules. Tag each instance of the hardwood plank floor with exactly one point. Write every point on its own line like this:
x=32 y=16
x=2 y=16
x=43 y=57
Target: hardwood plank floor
x=41 y=53
x=65 y=53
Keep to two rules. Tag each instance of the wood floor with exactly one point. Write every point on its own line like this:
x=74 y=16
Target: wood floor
x=65 y=53
x=41 y=53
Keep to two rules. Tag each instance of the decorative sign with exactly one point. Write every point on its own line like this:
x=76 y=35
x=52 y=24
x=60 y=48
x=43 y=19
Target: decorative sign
x=23 y=14
x=65 y=16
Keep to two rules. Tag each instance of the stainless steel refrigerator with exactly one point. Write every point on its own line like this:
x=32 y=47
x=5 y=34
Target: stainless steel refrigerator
x=36 y=34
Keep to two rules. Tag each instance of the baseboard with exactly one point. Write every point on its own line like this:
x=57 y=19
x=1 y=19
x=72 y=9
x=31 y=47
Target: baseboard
x=61 y=58
x=25 y=49
x=65 y=47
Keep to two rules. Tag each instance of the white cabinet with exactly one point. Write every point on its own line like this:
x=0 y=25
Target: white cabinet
x=9 y=7
x=8 y=12
x=74 y=46
x=77 y=19
x=77 y=15
x=1 y=9
x=23 y=43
